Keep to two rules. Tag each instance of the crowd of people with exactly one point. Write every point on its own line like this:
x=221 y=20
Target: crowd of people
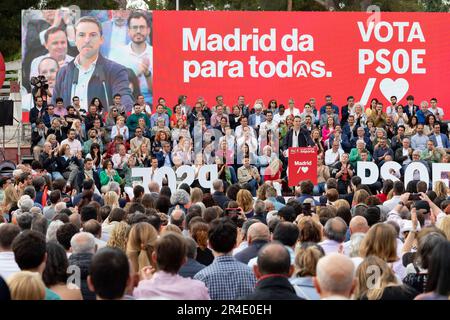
x=76 y=224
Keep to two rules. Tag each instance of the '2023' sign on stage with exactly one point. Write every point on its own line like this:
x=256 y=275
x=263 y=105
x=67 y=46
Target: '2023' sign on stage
x=206 y=175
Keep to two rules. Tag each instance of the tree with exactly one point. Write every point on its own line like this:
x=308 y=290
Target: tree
x=10 y=24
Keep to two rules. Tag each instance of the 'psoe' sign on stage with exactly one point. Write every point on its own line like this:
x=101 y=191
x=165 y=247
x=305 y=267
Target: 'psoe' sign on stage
x=369 y=171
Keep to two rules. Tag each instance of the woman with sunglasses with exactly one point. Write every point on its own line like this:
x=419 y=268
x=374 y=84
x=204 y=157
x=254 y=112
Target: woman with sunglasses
x=110 y=121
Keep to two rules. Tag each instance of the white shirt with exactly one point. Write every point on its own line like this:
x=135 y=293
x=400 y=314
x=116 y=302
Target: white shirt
x=239 y=132
x=436 y=111
x=295 y=138
x=294 y=112
x=130 y=59
x=405 y=152
x=8 y=265
x=268 y=126
x=118 y=37
x=118 y=161
x=80 y=89
x=122 y=131
x=75 y=146
x=277 y=118
x=34 y=71
x=331 y=156
x=390 y=204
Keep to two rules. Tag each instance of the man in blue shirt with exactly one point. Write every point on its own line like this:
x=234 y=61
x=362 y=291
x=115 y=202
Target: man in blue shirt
x=329 y=102
x=423 y=113
x=226 y=278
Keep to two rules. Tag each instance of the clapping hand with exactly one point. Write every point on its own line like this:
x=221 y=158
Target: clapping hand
x=146 y=273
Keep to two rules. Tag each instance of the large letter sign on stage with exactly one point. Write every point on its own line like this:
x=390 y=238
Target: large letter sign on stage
x=409 y=171
x=206 y=175
x=302 y=165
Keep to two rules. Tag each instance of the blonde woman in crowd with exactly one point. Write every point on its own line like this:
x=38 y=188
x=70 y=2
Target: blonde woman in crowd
x=111 y=199
x=140 y=245
x=441 y=189
x=26 y=285
x=305 y=269
x=10 y=200
x=119 y=236
x=120 y=129
x=244 y=199
x=197 y=198
x=79 y=131
x=444 y=225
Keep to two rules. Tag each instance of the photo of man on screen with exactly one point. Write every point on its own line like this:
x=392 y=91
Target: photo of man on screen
x=90 y=74
x=137 y=55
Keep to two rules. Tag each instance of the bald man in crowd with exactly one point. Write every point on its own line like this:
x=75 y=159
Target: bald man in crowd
x=358 y=227
x=257 y=236
x=178 y=218
x=273 y=271
x=334 y=231
x=335 y=277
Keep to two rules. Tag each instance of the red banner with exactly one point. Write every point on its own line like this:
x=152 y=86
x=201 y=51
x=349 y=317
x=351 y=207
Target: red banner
x=302 y=55
x=302 y=165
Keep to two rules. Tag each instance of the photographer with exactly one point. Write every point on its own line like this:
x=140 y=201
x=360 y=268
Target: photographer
x=40 y=89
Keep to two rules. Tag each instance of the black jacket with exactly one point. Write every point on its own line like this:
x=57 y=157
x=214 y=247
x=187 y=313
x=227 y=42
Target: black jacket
x=304 y=139
x=36 y=114
x=81 y=178
x=108 y=79
x=190 y=268
x=220 y=199
x=48 y=163
x=83 y=261
x=274 y=287
x=250 y=252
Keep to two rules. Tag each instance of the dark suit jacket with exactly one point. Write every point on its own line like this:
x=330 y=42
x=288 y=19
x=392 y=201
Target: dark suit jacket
x=34 y=113
x=81 y=178
x=406 y=110
x=275 y=287
x=345 y=115
x=250 y=252
x=445 y=142
x=190 y=268
x=108 y=79
x=398 y=156
x=304 y=139
x=220 y=198
x=160 y=157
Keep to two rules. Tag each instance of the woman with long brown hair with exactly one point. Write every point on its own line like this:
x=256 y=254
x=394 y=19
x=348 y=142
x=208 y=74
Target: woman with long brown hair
x=381 y=241
x=384 y=286
x=199 y=232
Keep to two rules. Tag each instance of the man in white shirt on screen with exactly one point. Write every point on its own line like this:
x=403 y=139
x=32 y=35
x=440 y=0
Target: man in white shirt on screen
x=138 y=54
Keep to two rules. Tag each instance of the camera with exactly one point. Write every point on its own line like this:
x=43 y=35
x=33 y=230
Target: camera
x=234 y=214
x=414 y=197
x=39 y=80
